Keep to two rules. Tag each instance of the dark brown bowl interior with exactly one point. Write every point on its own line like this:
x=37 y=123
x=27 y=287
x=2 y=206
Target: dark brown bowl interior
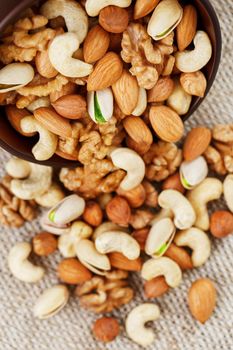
x=21 y=146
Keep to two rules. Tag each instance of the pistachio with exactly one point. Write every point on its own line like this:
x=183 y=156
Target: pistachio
x=58 y=219
x=160 y=237
x=100 y=105
x=91 y=258
x=14 y=76
x=166 y=16
x=51 y=301
x=194 y=172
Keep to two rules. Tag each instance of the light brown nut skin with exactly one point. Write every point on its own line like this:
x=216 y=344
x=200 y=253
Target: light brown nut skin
x=196 y=142
x=96 y=44
x=144 y=7
x=119 y=261
x=93 y=214
x=202 y=299
x=173 y=183
x=221 y=223
x=118 y=211
x=155 y=287
x=71 y=271
x=135 y=197
x=44 y=244
x=106 y=329
x=187 y=27
x=180 y=256
x=15 y=115
x=141 y=236
x=114 y=19
x=161 y=91
x=44 y=66
x=71 y=106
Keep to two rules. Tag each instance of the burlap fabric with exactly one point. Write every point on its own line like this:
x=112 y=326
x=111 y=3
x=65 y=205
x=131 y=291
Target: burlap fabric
x=176 y=329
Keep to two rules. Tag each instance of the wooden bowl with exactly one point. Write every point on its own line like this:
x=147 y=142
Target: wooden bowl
x=21 y=146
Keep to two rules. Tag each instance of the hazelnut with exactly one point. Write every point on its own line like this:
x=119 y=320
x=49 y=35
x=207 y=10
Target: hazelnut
x=44 y=244
x=141 y=236
x=155 y=287
x=71 y=271
x=114 y=19
x=106 y=329
x=173 y=183
x=221 y=223
x=135 y=197
x=93 y=214
x=118 y=211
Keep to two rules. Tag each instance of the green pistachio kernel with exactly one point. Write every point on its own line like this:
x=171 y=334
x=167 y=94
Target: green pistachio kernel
x=185 y=183
x=52 y=216
x=98 y=115
x=162 y=249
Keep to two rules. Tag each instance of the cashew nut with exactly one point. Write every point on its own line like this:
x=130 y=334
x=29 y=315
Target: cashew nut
x=208 y=190
x=21 y=267
x=194 y=60
x=160 y=237
x=67 y=243
x=47 y=144
x=142 y=103
x=228 y=191
x=163 y=213
x=18 y=168
x=51 y=301
x=132 y=163
x=117 y=241
x=105 y=227
x=39 y=103
x=61 y=51
x=94 y=7
x=91 y=258
x=135 y=323
x=184 y=214
x=179 y=100
x=75 y=17
x=51 y=197
x=162 y=266
x=36 y=184
x=198 y=241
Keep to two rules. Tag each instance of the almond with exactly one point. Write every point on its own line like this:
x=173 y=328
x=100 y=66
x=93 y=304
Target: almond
x=166 y=123
x=53 y=121
x=93 y=214
x=119 y=261
x=114 y=19
x=161 y=91
x=106 y=72
x=202 y=299
x=67 y=89
x=44 y=244
x=66 y=155
x=126 y=92
x=15 y=115
x=135 y=197
x=71 y=106
x=96 y=44
x=144 y=7
x=155 y=287
x=187 y=28
x=140 y=148
x=221 y=223
x=118 y=211
x=71 y=271
x=106 y=329
x=137 y=129
x=196 y=142
x=44 y=66
x=180 y=256
x=173 y=183
x=141 y=236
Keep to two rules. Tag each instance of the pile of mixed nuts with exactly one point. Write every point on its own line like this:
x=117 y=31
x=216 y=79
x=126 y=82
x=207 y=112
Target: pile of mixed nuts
x=76 y=72
x=101 y=82
x=157 y=229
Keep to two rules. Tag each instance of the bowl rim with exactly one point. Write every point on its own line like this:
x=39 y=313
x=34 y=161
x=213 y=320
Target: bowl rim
x=59 y=162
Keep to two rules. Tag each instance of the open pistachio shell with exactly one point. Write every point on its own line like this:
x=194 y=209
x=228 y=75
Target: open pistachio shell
x=166 y=16
x=160 y=237
x=194 y=172
x=14 y=76
x=100 y=105
x=51 y=301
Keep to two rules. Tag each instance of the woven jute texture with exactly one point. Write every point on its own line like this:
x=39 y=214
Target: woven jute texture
x=176 y=329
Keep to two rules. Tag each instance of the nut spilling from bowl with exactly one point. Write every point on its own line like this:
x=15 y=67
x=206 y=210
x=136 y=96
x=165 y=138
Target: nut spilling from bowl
x=88 y=86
